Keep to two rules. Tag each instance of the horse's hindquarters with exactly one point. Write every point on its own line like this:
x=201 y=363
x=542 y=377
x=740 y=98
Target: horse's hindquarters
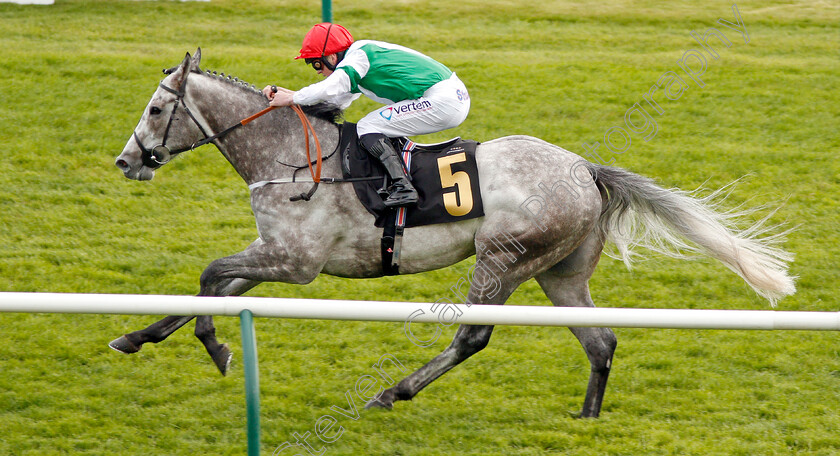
x=538 y=192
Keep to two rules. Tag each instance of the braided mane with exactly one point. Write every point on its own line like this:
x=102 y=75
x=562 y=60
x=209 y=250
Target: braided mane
x=324 y=111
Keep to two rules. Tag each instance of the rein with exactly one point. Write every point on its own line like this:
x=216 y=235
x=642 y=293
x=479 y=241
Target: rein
x=307 y=130
x=315 y=173
x=161 y=154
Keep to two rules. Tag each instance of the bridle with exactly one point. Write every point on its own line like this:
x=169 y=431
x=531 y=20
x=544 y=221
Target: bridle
x=161 y=154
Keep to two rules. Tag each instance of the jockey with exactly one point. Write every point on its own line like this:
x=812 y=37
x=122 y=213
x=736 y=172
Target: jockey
x=420 y=94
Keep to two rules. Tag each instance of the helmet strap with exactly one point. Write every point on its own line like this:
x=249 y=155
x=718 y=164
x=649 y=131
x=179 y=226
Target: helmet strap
x=339 y=57
x=326 y=41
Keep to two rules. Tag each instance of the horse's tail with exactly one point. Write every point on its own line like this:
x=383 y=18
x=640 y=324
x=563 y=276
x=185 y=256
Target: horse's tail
x=638 y=212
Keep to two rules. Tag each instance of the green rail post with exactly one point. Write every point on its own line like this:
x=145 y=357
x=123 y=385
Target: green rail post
x=252 y=380
x=326 y=10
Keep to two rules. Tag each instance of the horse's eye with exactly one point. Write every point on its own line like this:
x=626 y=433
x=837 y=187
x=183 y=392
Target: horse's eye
x=154 y=111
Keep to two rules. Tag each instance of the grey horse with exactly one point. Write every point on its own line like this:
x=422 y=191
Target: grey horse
x=557 y=237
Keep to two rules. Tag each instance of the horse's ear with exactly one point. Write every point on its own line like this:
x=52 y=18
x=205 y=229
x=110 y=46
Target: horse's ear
x=196 y=60
x=181 y=71
x=185 y=64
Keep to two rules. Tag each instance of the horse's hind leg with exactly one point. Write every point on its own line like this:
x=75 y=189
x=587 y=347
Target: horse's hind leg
x=469 y=340
x=567 y=284
x=487 y=286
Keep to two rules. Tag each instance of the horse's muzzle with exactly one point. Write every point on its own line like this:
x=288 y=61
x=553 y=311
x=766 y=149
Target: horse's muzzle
x=136 y=172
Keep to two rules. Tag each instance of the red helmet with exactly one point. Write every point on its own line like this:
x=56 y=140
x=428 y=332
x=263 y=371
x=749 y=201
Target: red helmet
x=325 y=39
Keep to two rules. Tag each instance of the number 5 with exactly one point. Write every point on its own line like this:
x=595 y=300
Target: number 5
x=458 y=179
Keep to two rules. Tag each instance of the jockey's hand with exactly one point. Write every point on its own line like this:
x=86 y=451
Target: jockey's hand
x=283 y=97
x=278 y=96
x=269 y=91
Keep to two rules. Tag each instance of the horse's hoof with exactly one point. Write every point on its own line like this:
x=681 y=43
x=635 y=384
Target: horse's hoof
x=376 y=403
x=222 y=358
x=123 y=345
x=383 y=401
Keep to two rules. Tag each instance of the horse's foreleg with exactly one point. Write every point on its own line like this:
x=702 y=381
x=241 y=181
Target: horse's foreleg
x=206 y=333
x=204 y=329
x=236 y=274
x=154 y=333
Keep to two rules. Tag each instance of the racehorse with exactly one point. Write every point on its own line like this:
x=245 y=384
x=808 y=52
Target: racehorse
x=558 y=241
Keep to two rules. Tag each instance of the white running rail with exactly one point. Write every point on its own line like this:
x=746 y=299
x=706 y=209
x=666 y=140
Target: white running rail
x=322 y=309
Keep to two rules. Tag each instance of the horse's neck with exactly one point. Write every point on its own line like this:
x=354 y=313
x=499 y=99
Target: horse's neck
x=257 y=150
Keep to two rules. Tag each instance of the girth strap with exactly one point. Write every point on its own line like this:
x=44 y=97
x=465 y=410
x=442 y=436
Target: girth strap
x=392 y=232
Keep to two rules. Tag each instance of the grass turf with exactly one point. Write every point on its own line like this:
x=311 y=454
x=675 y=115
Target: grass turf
x=75 y=77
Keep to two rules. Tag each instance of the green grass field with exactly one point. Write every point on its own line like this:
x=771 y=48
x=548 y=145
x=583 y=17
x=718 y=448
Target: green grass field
x=75 y=77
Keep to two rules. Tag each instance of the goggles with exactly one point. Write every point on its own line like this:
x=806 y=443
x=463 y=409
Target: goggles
x=317 y=64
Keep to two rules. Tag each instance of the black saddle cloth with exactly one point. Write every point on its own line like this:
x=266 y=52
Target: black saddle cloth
x=445 y=176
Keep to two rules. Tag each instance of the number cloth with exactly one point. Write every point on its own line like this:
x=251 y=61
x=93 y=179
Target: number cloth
x=445 y=176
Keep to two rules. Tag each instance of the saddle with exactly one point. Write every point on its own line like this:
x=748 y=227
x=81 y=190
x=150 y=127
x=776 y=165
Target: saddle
x=444 y=174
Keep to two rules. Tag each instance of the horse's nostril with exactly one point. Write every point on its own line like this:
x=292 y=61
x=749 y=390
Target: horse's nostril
x=122 y=164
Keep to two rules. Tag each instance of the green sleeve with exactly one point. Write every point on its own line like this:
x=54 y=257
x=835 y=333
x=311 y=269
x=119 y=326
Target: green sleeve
x=354 y=78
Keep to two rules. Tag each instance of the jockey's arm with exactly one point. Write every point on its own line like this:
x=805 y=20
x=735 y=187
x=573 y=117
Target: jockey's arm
x=334 y=89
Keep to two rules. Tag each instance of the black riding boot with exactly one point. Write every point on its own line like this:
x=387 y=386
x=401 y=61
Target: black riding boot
x=401 y=192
